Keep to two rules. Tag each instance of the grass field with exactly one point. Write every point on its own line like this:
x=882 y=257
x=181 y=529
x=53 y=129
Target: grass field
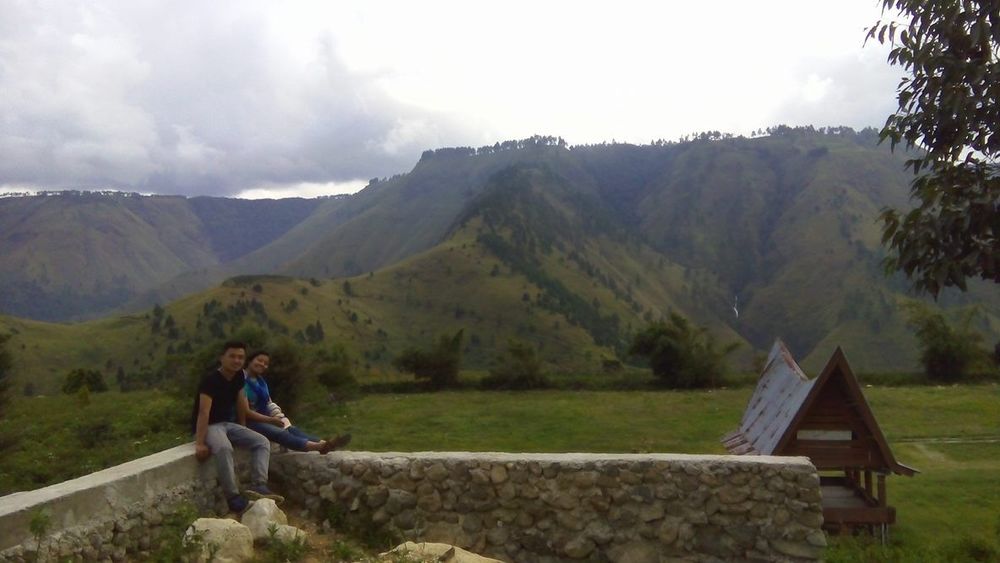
x=950 y=434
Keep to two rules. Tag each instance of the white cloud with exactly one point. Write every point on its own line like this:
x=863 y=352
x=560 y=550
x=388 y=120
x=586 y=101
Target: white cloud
x=224 y=97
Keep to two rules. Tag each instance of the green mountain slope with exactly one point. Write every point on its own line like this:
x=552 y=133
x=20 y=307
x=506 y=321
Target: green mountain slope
x=573 y=249
x=80 y=254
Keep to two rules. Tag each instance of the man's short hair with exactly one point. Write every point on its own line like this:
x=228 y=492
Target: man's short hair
x=229 y=345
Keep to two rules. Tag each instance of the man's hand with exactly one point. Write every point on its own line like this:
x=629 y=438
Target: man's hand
x=201 y=452
x=276 y=420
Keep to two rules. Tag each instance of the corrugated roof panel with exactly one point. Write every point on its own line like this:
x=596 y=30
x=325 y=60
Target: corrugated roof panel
x=781 y=390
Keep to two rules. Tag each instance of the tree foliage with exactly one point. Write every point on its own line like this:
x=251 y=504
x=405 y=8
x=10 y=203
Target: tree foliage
x=681 y=354
x=519 y=368
x=5 y=372
x=947 y=352
x=949 y=110
x=438 y=365
x=335 y=371
x=82 y=377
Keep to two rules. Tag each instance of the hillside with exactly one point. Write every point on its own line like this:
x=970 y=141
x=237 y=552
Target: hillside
x=76 y=255
x=570 y=248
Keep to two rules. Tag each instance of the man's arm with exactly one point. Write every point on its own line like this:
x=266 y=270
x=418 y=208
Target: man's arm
x=242 y=408
x=201 y=450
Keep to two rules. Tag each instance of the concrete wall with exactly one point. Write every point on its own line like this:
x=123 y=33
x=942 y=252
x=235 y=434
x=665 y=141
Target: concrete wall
x=515 y=507
x=110 y=514
x=562 y=507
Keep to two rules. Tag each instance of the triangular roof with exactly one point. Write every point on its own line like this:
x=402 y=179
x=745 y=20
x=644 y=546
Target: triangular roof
x=783 y=397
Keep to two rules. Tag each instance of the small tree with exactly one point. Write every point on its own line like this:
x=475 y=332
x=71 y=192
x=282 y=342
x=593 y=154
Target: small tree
x=5 y=374
x=81 y=377
x=284 y=375
x=682 y=355
x=334 y=370
x=948 y=353
x=438 y=365
x=519 y=368
x=948 y=111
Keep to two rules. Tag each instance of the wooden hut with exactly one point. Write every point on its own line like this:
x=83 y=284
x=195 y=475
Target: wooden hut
x=828 y=420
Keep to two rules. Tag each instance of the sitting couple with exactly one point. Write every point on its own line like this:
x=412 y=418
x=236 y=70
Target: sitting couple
x=220 y=417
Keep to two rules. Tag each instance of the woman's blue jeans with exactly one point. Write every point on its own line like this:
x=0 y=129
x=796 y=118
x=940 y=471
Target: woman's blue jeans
x=291 y=437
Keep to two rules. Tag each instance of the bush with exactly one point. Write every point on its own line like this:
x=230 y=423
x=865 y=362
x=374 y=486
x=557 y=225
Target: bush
x=284 y=376
x=439 y=365
x=682 y=355
x=334 y=370
x=948 y=353
x=5 y=375
x=89 y=378
x=518 y=369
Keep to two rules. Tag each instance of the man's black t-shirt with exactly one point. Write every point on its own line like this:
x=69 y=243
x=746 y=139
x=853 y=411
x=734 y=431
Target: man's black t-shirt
x=223 y=393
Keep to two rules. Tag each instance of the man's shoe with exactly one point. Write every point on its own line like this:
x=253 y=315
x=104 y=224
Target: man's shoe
x=261 y=491
x=237 y=504
x=336 y=443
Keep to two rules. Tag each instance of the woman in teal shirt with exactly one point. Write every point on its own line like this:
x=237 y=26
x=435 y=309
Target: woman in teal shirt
x=266 y=417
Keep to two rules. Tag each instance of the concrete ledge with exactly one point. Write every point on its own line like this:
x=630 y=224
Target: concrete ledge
x=101 y=496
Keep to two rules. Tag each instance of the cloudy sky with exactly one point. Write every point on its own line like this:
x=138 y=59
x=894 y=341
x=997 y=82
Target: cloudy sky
x=257 y=98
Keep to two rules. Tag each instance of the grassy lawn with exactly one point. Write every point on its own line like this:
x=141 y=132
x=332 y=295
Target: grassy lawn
x=956 y=494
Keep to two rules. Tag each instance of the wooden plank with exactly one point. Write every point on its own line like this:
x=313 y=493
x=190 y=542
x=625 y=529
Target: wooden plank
x=868 y=515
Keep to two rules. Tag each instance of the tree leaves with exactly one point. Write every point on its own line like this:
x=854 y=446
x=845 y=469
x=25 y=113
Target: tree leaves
x=947 y=113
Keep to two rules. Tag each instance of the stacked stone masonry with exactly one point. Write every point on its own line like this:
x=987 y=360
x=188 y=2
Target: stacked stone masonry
x=571 y=507
x=514 y=507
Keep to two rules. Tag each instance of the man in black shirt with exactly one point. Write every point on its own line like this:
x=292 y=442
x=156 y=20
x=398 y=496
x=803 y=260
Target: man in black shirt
x=219 y=423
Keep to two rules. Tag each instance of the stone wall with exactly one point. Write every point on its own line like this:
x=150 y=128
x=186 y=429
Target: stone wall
x=515 y=507
x=561 y=507
x=111 y=514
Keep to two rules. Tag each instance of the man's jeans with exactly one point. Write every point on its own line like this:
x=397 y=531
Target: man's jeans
x=291 y=437
x=221 y=438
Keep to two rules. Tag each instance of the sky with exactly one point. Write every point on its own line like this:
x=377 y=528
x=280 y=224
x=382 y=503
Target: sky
x=249 y=98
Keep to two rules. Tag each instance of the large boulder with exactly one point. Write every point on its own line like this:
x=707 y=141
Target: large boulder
x=436 y=552
x=222 y=540
x=261 y=515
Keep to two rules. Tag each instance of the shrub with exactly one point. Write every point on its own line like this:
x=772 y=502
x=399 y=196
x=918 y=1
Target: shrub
x=519 y=368
x=947 y=353
x=682 y=355
x=438 y=365
x=5 y=374
x=89 y=378
x=334 y=370
x=284 y=376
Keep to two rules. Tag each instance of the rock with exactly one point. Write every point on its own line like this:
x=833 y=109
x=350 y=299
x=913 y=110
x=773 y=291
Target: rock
x=287 y=533
x=795 y=549
x=376 y=496
x=261 y=515
x=811 y=519
x=599 y=531
x=436 y=472
x=438 y=551
x=579 y=547
x=816 y=538
x=650 y=512
x=669 y=529
x=498 y=474
x=585 y=479
x=634 y=552
x=732 y=495
x=399 y=500
x=781 y=517
x=233 y=540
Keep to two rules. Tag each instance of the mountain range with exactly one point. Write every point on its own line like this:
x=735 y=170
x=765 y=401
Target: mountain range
x=572 y=248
